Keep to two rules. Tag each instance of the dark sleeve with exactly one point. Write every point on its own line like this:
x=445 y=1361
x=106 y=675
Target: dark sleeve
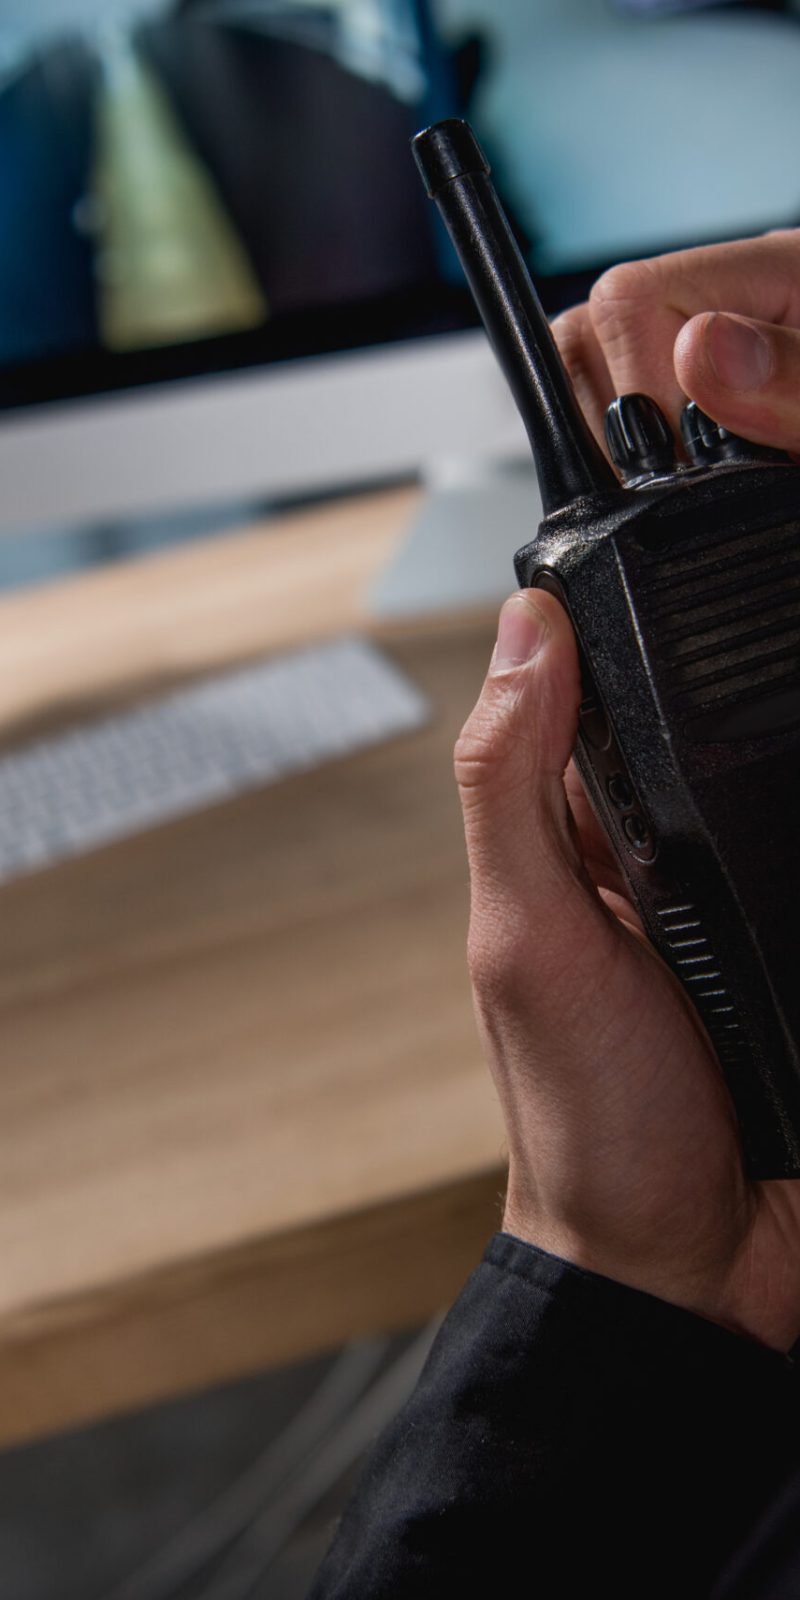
x=573 y=1430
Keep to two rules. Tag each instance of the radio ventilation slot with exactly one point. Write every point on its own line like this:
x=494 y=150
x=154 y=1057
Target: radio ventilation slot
x=695 y=963
x=726 y=618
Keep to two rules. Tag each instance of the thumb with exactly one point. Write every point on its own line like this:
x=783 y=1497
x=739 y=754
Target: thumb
x=745 y=374
x=525 y=866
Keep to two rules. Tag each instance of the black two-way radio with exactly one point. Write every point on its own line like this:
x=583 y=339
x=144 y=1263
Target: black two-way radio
x=683 y=586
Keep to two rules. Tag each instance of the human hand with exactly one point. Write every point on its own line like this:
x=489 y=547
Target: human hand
x=719 y=325
x=623 y=1146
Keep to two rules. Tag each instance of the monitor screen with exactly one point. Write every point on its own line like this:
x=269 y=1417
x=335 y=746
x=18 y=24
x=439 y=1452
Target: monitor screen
x=189 y=185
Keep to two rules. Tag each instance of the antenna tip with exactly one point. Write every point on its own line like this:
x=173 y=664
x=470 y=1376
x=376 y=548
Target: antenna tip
x=445 y=151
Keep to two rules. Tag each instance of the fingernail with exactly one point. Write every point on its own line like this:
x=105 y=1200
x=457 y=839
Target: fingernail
x=520 y=633
x=739 y=354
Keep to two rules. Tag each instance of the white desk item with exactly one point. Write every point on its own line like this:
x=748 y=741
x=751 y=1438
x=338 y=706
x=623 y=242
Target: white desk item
x=112 y=778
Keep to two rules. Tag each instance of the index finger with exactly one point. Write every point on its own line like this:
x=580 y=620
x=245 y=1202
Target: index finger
x=637 y=310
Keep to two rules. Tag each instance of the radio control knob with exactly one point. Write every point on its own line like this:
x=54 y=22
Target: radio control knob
x=638 y=435
x=707 y=442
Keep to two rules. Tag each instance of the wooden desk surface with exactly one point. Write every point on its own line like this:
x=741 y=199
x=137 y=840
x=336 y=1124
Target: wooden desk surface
x=243 y=1112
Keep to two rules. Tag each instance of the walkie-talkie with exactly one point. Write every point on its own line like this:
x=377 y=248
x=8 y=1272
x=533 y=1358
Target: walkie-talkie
x=683 y=586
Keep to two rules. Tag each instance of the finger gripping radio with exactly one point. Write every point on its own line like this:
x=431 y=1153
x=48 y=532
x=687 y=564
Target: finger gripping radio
x=683 y=586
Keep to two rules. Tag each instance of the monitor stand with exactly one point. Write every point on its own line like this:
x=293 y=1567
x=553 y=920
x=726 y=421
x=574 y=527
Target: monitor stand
x=458 y=554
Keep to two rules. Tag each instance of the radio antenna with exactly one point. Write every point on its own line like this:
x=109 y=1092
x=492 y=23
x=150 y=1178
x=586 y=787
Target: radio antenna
x=455 y=171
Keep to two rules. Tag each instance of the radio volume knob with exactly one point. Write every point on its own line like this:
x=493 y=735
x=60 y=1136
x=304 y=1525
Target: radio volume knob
x=707 y=442
x=638 y=435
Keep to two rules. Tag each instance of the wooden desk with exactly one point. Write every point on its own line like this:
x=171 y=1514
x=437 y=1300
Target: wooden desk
x=243 y=1113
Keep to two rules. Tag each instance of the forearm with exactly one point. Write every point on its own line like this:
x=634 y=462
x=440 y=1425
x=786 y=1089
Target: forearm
x=577 y=1427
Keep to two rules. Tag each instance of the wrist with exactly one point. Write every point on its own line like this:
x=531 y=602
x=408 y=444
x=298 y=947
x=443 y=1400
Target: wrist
x=678 y=1272
x=728 y=1296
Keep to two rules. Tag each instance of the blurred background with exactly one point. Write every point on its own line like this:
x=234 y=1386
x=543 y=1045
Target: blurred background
x=219 y=187
x=260 y=489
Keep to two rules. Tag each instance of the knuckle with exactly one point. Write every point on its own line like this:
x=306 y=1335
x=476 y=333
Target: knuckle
x=568 y=331
x=621 y=296
x=473 y=753
x=483 y=741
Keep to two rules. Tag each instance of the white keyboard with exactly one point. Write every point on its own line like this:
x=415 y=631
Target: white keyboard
x=106 y=780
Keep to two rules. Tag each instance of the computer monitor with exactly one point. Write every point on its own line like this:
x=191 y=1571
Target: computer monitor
x=219 y=277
